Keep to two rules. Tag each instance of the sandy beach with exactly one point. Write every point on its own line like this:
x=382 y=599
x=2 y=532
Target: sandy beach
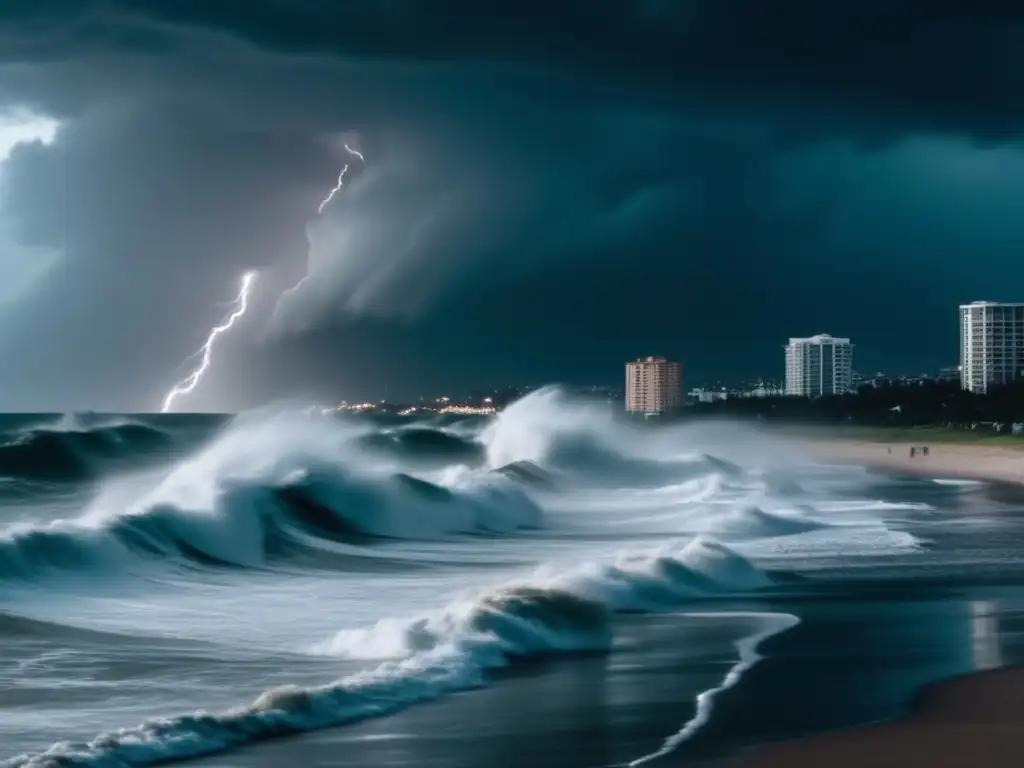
x=976 y=721
x=977 y=462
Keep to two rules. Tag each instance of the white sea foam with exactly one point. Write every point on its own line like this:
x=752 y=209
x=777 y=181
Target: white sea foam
x=315 y=482
x=748 y=656
x=439 y=653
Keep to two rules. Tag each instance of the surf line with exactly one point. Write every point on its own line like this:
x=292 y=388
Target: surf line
x=747 y=648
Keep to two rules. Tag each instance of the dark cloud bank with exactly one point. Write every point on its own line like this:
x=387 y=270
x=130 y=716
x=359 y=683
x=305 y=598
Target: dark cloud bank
x=550 y=189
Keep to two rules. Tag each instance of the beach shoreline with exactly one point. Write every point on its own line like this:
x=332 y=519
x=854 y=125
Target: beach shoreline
x=969 y=721
x=966 y=721
x=944 y=460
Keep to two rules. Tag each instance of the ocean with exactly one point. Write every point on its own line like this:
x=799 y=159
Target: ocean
x=551 y=586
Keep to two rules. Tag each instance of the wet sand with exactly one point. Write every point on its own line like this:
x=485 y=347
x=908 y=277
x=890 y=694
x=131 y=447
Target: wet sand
x=973 y=721
x=976 y=721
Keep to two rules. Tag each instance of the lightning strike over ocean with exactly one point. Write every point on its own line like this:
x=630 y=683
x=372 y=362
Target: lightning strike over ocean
x=205 y=353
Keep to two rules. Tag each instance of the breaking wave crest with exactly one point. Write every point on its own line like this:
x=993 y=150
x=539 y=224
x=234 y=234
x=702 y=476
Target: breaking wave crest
x=244 y=523
x=754 y=523
x=72 y=455
x=436 y=654
x=559 y=604
x=240 y=500
x=546 y=472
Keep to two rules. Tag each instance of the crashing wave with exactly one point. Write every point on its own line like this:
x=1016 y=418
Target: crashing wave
x=424 y=446
x=273 y=483
x=436 y=654
x=77 y=454
x=752 y=522
x=238 y=524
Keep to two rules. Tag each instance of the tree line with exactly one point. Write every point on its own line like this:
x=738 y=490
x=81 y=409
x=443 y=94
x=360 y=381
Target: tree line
x=930 y=403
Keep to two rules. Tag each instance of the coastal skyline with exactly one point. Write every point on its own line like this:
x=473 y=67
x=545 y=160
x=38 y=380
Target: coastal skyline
x=453 y=383
x=543 y=195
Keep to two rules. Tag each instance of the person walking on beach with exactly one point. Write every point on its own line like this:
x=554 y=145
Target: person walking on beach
x=926 y=450
x=912 y=450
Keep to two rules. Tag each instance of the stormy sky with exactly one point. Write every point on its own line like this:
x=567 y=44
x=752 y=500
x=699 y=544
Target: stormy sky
x=550 y=189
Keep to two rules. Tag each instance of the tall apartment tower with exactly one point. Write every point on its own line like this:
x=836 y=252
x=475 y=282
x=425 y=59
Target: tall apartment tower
x=653 y=385
x=820 y=365
x=991 y=344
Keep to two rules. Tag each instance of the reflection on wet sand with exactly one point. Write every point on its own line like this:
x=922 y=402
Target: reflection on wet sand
x=985 y=640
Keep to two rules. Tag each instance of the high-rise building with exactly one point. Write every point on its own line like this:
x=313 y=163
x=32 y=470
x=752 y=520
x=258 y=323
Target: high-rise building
x=991 y=344
x=653 y=385
x=819 y=365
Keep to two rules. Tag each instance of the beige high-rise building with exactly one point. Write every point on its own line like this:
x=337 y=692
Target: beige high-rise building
x=653 y=385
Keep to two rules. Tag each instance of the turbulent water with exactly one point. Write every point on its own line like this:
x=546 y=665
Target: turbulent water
x=178 y=587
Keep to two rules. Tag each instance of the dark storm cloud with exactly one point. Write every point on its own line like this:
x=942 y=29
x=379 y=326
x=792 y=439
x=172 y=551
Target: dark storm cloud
x=546 y=193
x=941 y=60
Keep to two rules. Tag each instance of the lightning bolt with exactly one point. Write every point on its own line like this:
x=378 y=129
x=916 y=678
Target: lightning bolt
x=341 y=178
x=355 y=153
x=205 y=352
x=320 y=209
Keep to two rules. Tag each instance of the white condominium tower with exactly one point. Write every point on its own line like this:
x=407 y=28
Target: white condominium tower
x=991 y=344
x=820 y=365
x=653 y=385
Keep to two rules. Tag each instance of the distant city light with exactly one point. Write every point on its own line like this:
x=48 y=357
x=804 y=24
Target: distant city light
x=462 y=410
x=468 y=410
